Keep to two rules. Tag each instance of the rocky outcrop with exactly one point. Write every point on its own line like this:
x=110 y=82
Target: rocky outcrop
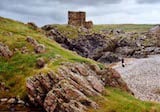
x=109 y=46
x=90 y=46
x=5 y=51
x=32 y=25
x=32 y=41
x=138 y=45
x=54 y=34
x=70 y=89
x=109 y=57
x=40 y=48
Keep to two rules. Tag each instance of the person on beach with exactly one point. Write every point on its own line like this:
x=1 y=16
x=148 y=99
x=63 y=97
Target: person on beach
x=123 y=64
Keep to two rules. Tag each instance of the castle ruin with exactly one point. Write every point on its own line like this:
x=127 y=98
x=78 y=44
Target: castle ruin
x=79 y=19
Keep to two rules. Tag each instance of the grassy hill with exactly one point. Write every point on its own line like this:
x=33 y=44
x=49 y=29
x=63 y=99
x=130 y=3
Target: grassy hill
x=124 y=27
x=15 y=70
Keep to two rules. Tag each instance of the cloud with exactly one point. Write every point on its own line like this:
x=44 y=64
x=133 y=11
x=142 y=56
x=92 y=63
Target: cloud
x=148 y=1
x=32 y=9
x=100 y=11
x=45 y=10
x=89 y=2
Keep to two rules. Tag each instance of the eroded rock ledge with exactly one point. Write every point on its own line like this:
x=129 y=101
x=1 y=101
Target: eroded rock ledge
x=71 y=88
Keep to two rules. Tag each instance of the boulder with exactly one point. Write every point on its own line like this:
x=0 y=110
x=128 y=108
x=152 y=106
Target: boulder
x=116 y=32
x=24 y=50
x=48 y=27
x=32 y=41
x=5 y=51
x=3 y=87
x=8 y=34
x=109 y=57
x=40 y=48
x=40 y=62
x=33 y=25
x=125 y=51
x=4 y=100
x=12 y=101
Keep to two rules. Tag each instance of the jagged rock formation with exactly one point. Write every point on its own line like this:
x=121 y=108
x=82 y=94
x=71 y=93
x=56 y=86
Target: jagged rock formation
x=137 y=45
x=5 y=51
x=71 y=88
x=109 y=47
x=92 y=46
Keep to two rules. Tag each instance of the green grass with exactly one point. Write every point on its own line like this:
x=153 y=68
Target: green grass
x=124 y=27
x=119 y=101
x=72 y=32
x=68 y=31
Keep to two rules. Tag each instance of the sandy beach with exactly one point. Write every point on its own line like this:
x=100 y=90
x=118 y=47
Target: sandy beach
x=142 y=77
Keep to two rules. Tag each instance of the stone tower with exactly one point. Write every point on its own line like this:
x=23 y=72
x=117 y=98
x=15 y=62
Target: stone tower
x=78 y=19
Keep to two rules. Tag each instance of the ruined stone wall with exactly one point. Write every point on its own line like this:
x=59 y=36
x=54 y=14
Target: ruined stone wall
x=88 y=24
x=79 y=19
x=76 y=18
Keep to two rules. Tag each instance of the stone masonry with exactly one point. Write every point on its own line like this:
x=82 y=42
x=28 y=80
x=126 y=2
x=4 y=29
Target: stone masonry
x=79 y=19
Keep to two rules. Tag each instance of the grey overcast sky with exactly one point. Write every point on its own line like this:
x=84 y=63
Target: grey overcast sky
x=100 y=11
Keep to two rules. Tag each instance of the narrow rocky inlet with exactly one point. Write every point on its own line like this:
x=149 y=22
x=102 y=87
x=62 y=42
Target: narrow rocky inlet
x=143 y=77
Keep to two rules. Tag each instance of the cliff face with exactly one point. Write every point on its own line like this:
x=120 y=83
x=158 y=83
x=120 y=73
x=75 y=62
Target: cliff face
x=71 y=89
